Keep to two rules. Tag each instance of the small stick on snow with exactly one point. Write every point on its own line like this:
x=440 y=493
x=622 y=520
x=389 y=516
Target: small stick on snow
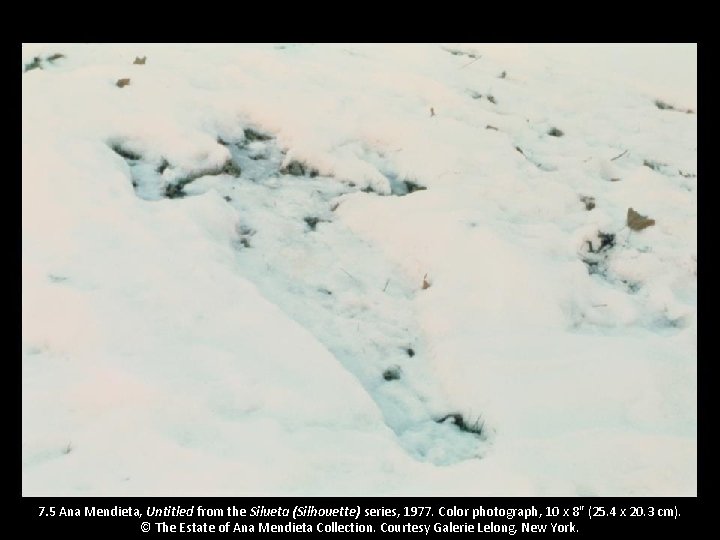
x=349 y=274
x=470 y=62
x=619 y=155
x=386 y=284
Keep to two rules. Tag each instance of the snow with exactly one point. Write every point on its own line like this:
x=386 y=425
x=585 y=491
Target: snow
x=315 y=329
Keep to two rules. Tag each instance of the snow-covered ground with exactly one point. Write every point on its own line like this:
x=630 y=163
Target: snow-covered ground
x=359 y=269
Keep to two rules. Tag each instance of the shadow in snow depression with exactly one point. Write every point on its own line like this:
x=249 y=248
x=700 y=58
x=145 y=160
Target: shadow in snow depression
x=332 y=282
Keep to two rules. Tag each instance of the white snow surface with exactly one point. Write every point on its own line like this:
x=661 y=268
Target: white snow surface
x=316 y=332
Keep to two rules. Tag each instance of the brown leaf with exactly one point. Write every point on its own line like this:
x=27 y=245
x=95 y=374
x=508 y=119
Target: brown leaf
x=122 y=82
x=425 y=283
x=139 y=60
x=638 y=222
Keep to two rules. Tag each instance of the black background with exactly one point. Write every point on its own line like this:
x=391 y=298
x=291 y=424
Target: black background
x=692 y=512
